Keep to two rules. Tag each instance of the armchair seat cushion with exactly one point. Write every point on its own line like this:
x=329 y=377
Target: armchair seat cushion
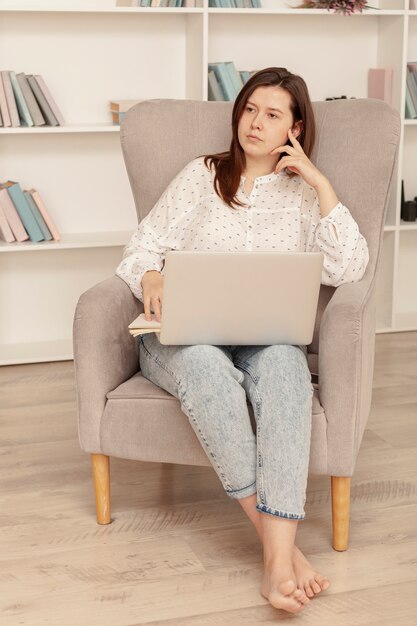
x=139 y=413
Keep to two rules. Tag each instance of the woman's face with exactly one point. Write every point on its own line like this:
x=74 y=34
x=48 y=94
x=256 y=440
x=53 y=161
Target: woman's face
x=265 y=121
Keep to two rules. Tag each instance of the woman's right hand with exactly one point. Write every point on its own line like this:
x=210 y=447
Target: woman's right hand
x=152 y=289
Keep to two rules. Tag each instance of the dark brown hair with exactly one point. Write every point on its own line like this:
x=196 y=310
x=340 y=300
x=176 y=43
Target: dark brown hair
x=228 y=166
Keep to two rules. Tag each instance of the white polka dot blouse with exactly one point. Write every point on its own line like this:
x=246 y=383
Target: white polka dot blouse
x=281 y=214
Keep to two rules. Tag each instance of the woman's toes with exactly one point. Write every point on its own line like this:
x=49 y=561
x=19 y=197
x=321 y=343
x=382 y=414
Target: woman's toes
x=309 y=591
x=323 y=582
x=300 y=596
x=314 y=585
x=287 y=587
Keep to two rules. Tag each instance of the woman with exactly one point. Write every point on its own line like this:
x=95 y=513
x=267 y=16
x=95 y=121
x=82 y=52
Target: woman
x=263 y=194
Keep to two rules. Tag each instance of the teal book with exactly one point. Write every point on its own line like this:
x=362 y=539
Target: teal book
x=16 y=194
x=234 y=76
x=38 y=217
x=223 y=79
x=22 y=107
x=215 y=92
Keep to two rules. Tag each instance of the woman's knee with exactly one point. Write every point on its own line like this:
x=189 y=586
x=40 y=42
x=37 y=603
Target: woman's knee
x=285 y=362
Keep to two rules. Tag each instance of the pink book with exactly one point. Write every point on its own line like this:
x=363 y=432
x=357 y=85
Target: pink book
x=4 y=109
x=5 y=231
x=380 y=84
x=12 y=216
x=48 y=220
x=50 y=100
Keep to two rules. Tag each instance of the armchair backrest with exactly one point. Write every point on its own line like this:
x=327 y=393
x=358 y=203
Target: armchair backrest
x=356 y=149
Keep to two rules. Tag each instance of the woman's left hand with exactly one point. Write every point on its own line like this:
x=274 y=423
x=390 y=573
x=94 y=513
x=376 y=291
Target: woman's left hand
x=297 y=161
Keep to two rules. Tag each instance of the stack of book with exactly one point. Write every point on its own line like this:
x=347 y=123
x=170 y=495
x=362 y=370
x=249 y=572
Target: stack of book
x=23 y=215
x=118 y=109
x=411 y=92
x=225 y=81
x=25 y=100
x=236 y=4
x=157 y=3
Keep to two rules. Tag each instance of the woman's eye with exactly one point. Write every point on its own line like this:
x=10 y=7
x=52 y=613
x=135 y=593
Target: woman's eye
x=249 y=109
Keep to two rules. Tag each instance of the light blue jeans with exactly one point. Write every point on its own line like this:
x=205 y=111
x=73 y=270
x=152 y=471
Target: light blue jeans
x=213 y=384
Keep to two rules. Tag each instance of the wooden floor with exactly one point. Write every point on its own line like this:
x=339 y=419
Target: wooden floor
x=180 y=552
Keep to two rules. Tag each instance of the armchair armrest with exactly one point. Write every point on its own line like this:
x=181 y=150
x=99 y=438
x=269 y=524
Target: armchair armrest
x=105 y=353
x=346 y=364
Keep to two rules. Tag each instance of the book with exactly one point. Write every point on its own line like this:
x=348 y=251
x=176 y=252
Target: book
x=215 y=92
x=42 y=209
x=23 y=209
x=22 y=107
x=33 y=106
x=141 y=326
x=38 y=217
x=235 y=77
x=4 y=109
x=223 y=79
x=43 y=103
x=43 y=87
x=12 y=216
x=5 y=230
x=11 y=102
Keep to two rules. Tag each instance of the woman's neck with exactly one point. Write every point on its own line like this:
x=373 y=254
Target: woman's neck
x=255 y=168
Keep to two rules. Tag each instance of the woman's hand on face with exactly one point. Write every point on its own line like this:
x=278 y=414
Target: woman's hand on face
x=297 y=161
x=152 y=288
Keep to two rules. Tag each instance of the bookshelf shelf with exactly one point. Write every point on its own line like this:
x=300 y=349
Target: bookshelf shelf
x=70 y=241
x=316 y=12
x=163 y=53
x=94 y=9
x=51 y=130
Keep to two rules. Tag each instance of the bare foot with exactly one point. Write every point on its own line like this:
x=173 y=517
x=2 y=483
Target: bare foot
x=280 y=588
x=307 y=578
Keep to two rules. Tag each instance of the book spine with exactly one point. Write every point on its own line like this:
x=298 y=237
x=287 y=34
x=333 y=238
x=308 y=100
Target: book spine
x=234 y=77
x=25 y=214
x=12 y=216
x=48 y=220
x=3 y=104
x=222 y=76
x=215 y=91
x=22 y=107
x=34 y=110
x=5 y=230
x=11 y=101
x=38 y=217
x=43 y=104
x=49 y=98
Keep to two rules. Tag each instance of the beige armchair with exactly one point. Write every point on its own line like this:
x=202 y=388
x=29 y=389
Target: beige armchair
x=124 y=415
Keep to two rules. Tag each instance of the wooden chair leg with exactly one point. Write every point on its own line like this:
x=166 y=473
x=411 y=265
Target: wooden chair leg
x=340 y=511
x=101 y=478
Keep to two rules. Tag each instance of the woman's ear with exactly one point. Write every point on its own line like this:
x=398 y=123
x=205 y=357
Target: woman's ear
x=297 y=129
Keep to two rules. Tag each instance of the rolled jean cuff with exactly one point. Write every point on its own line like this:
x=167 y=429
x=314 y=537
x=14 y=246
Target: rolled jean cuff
x=242 y=493
x=266 y=509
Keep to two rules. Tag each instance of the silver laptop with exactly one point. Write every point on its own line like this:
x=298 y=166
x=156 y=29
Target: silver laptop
x=240 y=298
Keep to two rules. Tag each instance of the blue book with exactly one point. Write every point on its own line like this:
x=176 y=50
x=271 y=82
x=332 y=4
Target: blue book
x=234 y=76
x=22 y=107
x=38 y=216
x=15 y=192
x=245 y=75
x=223 y=79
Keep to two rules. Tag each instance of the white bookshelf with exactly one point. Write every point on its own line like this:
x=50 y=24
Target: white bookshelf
x=93 y=52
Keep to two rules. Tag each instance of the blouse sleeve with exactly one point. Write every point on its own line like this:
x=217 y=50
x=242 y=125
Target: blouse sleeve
x=158 y=231
x=337 y=236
